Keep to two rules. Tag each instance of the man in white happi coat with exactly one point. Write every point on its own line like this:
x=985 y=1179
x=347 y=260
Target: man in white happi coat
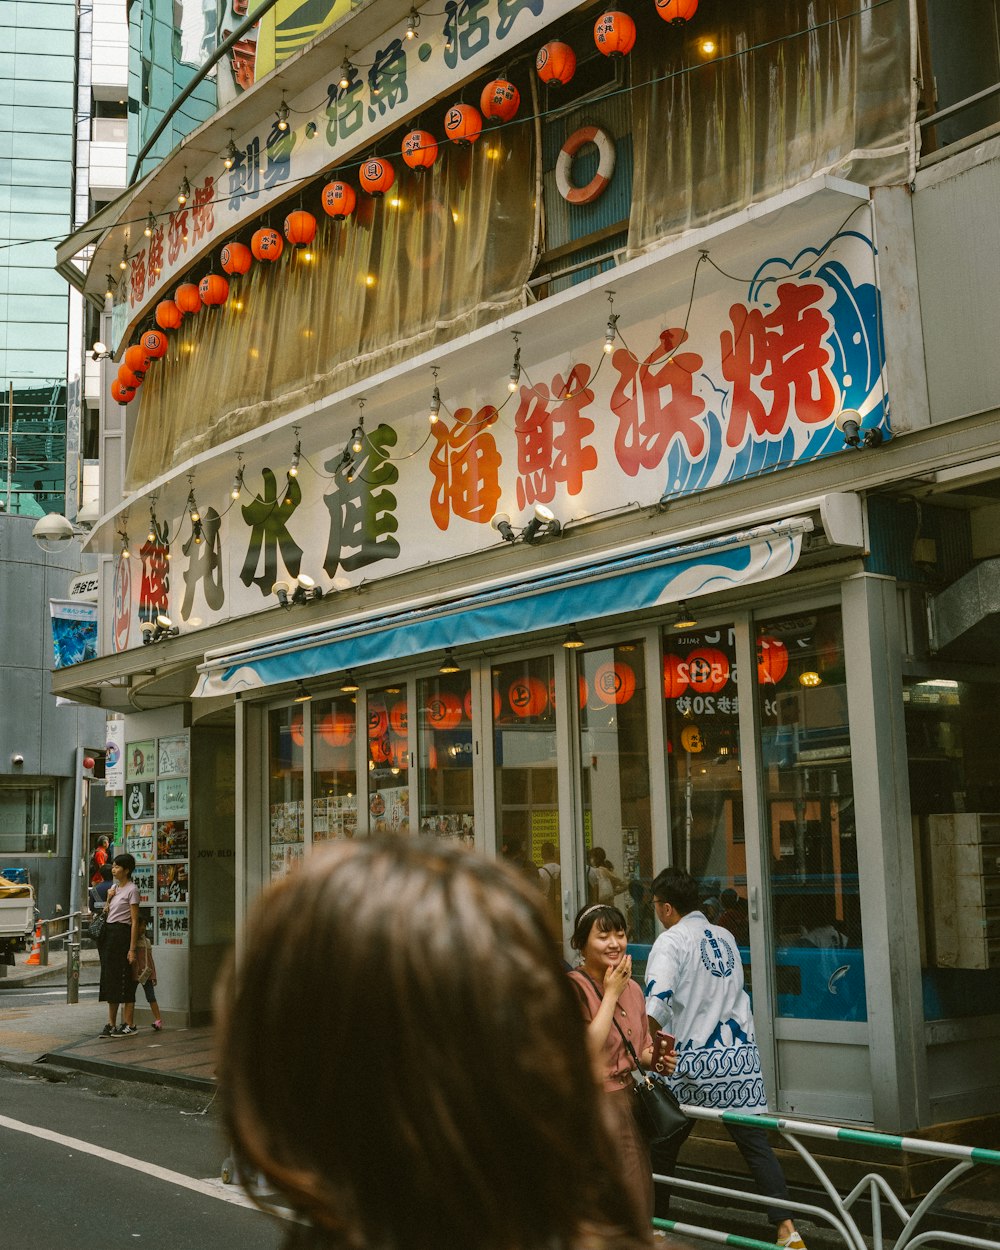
x=694 y=990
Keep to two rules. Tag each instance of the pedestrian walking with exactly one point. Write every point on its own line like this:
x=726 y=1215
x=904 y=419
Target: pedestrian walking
x=144 y=969
x=694 y=989
x=611 y=998
x=117 y=949
x=442 y=1091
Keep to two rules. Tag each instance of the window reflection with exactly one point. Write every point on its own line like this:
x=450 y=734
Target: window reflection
x=388 y=761
x=286 y=738
x=335 y=779
x=444 y=753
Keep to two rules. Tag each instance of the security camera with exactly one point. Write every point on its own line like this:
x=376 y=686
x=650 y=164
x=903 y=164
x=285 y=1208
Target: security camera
x=17 y=760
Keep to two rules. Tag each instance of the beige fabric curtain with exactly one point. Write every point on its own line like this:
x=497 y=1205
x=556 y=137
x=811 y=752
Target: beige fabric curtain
x=387 y=283
x=711 y=137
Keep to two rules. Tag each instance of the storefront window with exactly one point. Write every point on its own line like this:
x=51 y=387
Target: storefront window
x=444 y=754
x=27 y=819
x=388 y=761
x=524 y=763
x=700 y=686
x=286 y=782
x=951 y=735
x=614 y=764
x=810 y=817
x=335 y=778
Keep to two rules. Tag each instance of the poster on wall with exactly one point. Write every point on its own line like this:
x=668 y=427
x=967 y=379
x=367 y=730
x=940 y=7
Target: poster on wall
x=74 y=631
x=140 y=760
x=143 y=878
x=172 y=840
x=139 y=799
x=173 y=756
x=114 y=757
x=172 y=926
x=172 y=883
x=173 y=797
x=139 y=842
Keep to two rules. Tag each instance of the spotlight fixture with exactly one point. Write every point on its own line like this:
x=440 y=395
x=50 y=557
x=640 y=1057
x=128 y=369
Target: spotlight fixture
x=302 y=695
x=346 y=73
x=501 y=523
x=304 y=590
x=99 y=351
x=150 y=225
x=157 y=629
x=573 y=641
x=683 y=619
x=849 y=423
x=448 y=664
x=184 y=191
x=412 y=22
x=282 y=115
x=349 y=685
x=231 y=154
x=542 y=524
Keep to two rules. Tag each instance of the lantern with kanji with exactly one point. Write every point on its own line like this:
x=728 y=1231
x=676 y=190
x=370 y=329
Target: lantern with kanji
x=136 y=359
x=337 y=729
x=168 y=315
x=708 y=670
x=376 y=176
x=614 y=33
x=214 y=290
x=500 y=100
x=236 y=258
x=527 y=696
x=154 y=344
x=378 y=720
x=380 y=750
x=772 y=660
x=420 y=150
x=398 y=718
x=267 y=244
x=463 y=124
x=300 y=228
x=614 y=683
x=128 y=378
x=121 y=393
x=187 y=298
x=338 y=200
x=677 y=12
x=555 y=63
x=675 y=676
x=444 y=710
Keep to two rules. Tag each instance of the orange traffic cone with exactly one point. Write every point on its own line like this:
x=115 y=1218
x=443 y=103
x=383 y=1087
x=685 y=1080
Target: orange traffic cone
x=36 y=951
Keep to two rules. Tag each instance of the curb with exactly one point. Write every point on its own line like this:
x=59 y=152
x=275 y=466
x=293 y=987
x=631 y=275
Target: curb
x=120 y=1072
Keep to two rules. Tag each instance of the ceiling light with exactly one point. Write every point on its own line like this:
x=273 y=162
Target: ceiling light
x=810 y=680
x=302 y=694
x=150 y=225
x=184 y=192
x=349 y=685
x=448 y=664
x=683 y=618
x=573 y=641
x=412 y=22
x=346 y=73
x=282 y=115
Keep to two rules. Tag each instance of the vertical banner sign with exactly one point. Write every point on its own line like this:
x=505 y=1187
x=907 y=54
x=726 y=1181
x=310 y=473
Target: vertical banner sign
x=74 y=631
x=114 y=757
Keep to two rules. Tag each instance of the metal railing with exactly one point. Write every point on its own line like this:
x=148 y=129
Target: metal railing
x=840 y=1214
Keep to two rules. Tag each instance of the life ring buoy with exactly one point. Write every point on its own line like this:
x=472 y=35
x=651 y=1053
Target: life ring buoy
x=605 y=168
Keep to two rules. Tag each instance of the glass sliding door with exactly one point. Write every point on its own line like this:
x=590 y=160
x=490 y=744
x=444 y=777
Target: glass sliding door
x=444 y=756
x=388 y=761
x=334 y=768
x=286 y=787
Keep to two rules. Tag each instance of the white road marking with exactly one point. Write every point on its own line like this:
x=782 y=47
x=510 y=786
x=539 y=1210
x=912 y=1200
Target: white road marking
x=209 y=1188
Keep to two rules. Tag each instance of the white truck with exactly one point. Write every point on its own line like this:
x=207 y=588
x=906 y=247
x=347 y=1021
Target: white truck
x=17 y=917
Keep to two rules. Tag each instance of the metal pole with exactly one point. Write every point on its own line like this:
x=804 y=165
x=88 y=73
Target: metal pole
x=76 y=860
x=72 y=972
x=10 y=440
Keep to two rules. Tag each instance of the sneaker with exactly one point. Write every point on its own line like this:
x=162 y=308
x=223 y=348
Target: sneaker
x=157 y=1025
x=792 y=1241
x=126 y=1030
x=107 y=1031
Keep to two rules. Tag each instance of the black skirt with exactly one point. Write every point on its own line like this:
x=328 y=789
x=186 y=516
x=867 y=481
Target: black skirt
x=117 y=983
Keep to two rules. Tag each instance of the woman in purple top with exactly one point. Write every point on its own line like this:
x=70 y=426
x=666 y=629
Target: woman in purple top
x=117 y=948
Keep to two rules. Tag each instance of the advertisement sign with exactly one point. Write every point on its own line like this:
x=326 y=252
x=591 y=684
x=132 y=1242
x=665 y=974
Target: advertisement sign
x=114 y=757
x=172 y=926
x=74 y=631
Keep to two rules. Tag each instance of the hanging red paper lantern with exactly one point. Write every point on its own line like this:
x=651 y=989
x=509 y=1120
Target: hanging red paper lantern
x=614 y=33
x=154 y=344
x=128 y=378
x=136 y=359
x=398 y=721
x=467 y=705
x=338 y=200
x=708 y=670
x=187 y=299
x=337 y=729
x=772 y=661
x=500 y=100
x=120 y=393
x=614 y=683
x=168 y=315
x=378 y=720
x=444 y=711
x=213 y=290
x=463 y=124
x=380 y=749
x=296 y=730
x=300 y=228
x=267 y=244
x=236 y=258
x=527 y=696
x=420 y=150
x=676 y=11
x=555 y=63
x=376 y=176
x=675 y=676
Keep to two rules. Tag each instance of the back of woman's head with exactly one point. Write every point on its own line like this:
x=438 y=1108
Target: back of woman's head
x=402 y=1056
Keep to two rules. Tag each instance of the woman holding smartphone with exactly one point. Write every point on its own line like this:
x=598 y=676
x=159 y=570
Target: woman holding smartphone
x=615 y=1010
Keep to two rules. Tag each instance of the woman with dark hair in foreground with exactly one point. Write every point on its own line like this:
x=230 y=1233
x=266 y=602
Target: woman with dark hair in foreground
x=403 y=1060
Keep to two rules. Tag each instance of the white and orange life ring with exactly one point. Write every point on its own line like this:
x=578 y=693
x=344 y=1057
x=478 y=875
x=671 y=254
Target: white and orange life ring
x=605 y=168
